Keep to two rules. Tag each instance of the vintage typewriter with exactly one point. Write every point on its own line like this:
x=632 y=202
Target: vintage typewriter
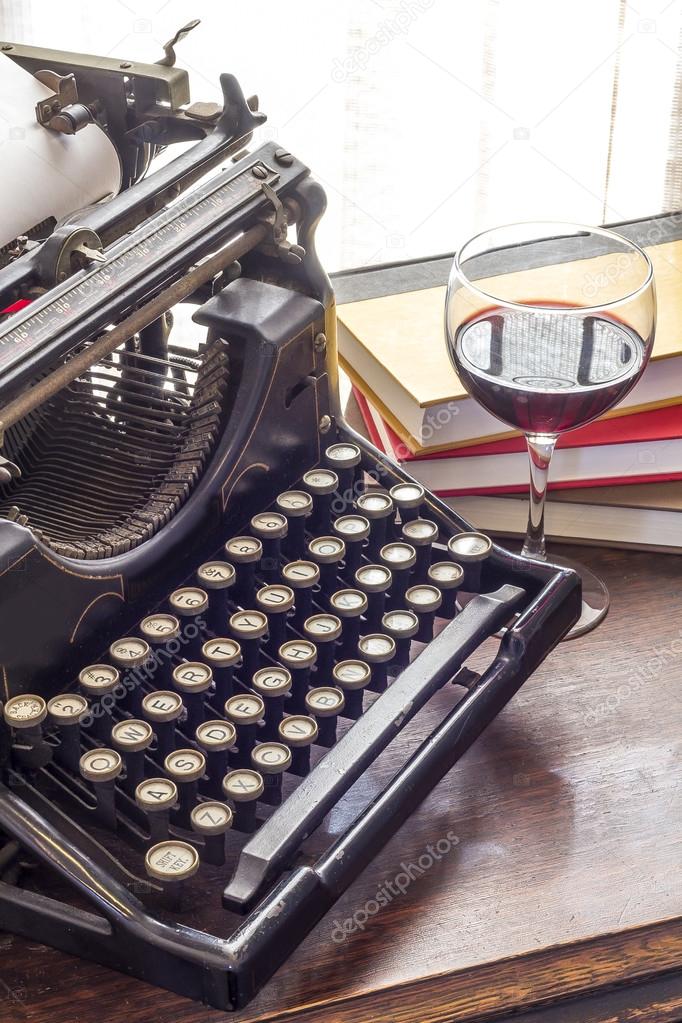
x=218 y=605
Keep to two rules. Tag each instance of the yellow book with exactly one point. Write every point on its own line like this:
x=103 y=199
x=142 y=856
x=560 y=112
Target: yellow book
x=393 y=349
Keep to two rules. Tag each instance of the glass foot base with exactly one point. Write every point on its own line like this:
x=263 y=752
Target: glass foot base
x=595 y=596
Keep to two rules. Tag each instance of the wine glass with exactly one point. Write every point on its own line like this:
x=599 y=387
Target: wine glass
x=550 y=325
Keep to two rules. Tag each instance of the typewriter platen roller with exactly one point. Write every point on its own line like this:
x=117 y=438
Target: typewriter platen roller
x=218 y=604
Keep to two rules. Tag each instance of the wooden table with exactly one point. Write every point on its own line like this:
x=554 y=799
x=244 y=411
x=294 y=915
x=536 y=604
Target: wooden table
x=563 y=889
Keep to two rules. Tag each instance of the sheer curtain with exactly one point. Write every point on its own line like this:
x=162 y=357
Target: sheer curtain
x=427 y=120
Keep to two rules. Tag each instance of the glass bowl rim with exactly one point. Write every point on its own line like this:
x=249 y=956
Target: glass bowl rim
x=604 y=232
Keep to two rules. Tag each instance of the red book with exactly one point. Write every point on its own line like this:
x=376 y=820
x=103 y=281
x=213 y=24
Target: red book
x=640 y=448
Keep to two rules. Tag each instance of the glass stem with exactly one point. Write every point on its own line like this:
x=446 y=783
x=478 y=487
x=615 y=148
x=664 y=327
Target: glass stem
x=540 y=451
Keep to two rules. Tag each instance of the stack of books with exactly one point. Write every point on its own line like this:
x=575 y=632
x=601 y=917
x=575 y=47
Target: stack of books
x=616 y=481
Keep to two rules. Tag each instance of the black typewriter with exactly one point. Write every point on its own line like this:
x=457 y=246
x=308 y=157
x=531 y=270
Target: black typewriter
x=218 y=604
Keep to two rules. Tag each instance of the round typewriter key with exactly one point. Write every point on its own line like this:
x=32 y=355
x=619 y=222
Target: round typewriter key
x=322 y=484
x=344 y=458
x=303 y=577
x=97 y=682
x=25 y=712
x=421 y=534
x=349 y=605
x=271 y=759
x=159 y=628
x=216 y=739
x=131 y=655
x=216 y=575
x=132 y=738
x=163 y=708
x=469 y=550
x=189 y=601
x=192 y=677
x=246 y=712
x=131 y=735
x=193 y=680
x=325 y=703
x=470 y=547
x=216 y=736
x=171 y=861
x=323 y=630
x=244 y=787
x=400 y=558
x=424 y=600
x=67 y=711
x=378 y=650
x=222 y=655
x=217 y=578
x=97 y=679
x=352 y=676
x=185 y=767
x=271 y=528
x=375 y=581
x=354 y=531
x=328 y=552
x=401 y=626
x=321 y=481
x=296 y=506
x=249 y=628
x=191 y=604
x=156 y=797
x=276 y=600
x=299 y=731
x=129 y=652
x=299 y=656
x=408 y=499
x=102 y=767
x=245 y=552
x=272 y=684
x=377 y=506
x=343 y=455
x=448 y=577
x=212 y=820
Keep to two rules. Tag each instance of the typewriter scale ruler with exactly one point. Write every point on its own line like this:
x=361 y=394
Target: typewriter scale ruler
x=167 y=234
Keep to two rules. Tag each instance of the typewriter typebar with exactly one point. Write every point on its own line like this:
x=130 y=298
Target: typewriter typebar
x=219 y=605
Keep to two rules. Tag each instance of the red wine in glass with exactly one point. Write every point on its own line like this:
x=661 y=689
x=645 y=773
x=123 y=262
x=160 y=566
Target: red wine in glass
x=541 y=372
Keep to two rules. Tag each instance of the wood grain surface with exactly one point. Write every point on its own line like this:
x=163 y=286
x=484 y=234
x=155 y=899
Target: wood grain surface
x=561 y=877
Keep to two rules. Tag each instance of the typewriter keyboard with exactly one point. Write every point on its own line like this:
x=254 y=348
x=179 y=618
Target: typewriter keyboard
x=214 y=711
